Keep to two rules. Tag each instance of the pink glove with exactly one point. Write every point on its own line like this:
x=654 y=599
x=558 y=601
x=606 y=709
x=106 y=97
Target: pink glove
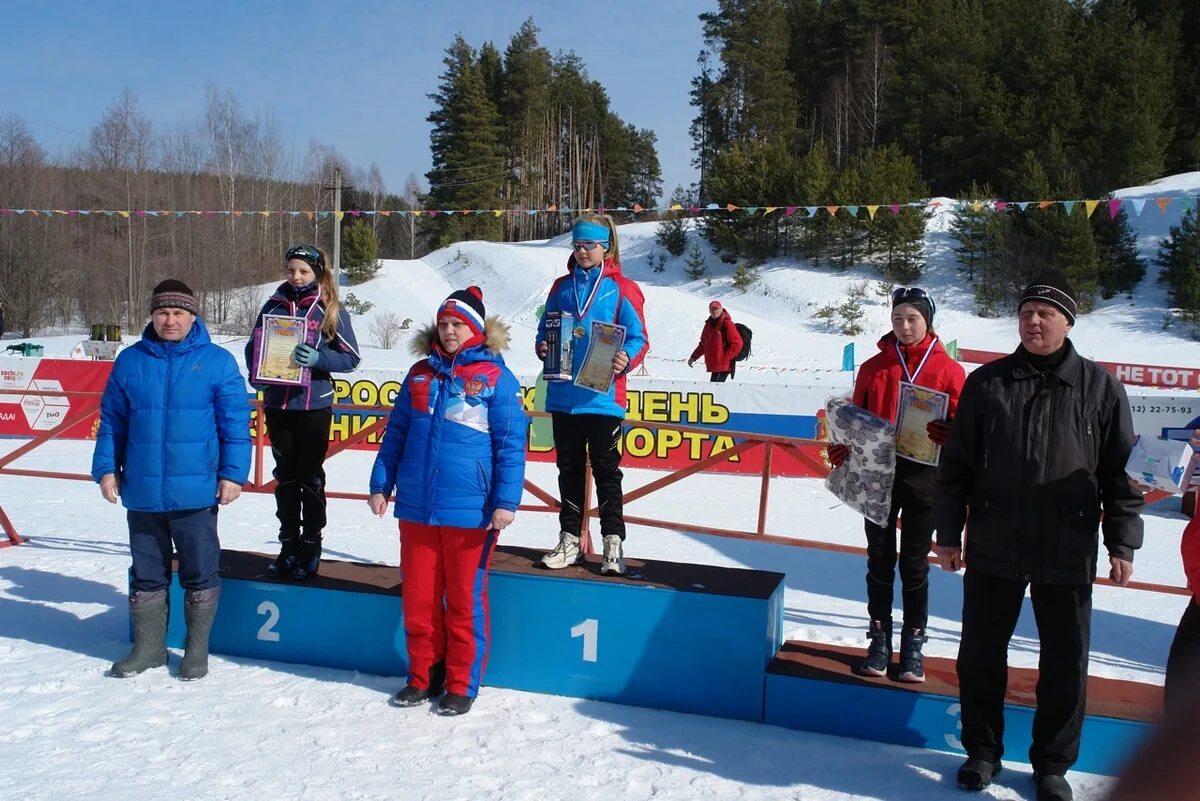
x=938 y=431
x=838 y=454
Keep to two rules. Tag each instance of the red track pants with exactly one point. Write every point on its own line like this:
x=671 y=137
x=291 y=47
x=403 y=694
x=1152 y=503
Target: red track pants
x=444 y=574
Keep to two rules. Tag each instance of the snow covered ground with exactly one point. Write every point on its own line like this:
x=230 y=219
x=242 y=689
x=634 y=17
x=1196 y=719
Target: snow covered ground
x=272 y=730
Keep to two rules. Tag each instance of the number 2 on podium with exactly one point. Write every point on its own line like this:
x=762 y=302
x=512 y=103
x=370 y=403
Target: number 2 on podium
x=267 y=632
x=589 y=630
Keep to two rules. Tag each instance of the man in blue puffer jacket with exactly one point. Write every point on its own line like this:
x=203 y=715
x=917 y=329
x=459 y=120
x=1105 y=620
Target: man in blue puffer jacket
x=174 y=442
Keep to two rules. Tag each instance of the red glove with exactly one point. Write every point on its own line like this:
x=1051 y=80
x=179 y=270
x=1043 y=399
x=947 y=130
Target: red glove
x=938 y=431
x=838 y=454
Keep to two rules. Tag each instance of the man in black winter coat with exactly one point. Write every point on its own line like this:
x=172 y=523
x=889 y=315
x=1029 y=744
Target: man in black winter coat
x=1036 y=453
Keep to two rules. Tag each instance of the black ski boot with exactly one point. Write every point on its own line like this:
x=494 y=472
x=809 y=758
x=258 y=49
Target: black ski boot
x=285 y=563
x=149 y=611
x=879 y=652
x=912 y=664
x=308 y=558
x=199 y=609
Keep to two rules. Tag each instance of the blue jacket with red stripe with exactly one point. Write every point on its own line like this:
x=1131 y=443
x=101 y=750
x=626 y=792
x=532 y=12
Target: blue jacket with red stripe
x=454 y=448
x=606 y=295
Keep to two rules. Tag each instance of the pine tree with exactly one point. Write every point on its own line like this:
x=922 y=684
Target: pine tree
x=1123 y=65
x=814 y=181
x=848 y=236
x=671 y=233
x=697 y=263
x=468 y=170
x=1120 y=268
x=977 y=231
x=1179 y=263
x=360 y=252
x=895 y=238
x=748 y=174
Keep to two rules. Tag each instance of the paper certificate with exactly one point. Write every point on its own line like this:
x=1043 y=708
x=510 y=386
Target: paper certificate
x=280 y=335
x=917 y=408
x=596 y=373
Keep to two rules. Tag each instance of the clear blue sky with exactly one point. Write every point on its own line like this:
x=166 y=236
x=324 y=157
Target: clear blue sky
x=352 y=75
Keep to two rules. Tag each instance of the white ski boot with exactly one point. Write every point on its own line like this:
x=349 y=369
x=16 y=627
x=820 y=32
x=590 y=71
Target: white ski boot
x=614 y=556
x=565 y=554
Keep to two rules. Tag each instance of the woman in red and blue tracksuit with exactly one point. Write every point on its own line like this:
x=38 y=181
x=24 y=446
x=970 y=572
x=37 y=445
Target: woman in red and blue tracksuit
x=587 y=424
x=454 y=452
x=298 y=418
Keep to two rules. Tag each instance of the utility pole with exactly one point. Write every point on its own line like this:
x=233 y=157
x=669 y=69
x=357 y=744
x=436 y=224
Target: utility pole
x=337 y=225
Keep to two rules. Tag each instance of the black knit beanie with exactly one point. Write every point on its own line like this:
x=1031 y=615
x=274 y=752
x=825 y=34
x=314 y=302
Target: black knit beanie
x=174 y=294
x=1051 y=287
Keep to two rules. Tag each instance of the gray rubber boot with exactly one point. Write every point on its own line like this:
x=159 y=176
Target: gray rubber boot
x=149 y=611
x=199 y=609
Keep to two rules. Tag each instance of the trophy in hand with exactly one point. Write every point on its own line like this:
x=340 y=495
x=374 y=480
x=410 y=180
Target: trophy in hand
x=557 y=364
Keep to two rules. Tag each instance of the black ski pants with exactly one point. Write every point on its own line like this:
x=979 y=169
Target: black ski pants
x=1183 y=663
x=299 y=442
x=578 y=438
x=916 y=538
x=991 y=607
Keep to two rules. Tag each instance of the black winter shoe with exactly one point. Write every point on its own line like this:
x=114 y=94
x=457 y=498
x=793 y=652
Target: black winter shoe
x=455 y=704
x=879 y=652
x=1052 y=787
x=975 y=774
x=412 y=696
x=149 y=611
x=415 y=696
x=308 y=560
x=912 y=665
x=199 y=610
x=288 y=558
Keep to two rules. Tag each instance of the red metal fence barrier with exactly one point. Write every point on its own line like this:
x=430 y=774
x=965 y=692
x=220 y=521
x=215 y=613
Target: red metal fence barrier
x=790 y=447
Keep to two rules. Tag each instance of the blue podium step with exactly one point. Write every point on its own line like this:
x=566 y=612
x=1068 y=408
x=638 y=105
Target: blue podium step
x=813 y=687
x=690 y=638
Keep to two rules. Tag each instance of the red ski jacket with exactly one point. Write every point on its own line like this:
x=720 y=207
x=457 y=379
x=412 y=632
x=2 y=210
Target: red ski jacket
x=719 y=342
x=877 y=388
x=1189 y=546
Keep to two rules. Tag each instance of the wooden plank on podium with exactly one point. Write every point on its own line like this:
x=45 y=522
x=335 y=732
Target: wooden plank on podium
x=691 y=638
x=813 y=687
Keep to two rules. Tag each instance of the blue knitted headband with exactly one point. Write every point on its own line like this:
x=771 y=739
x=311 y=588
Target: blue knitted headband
x=585 y=231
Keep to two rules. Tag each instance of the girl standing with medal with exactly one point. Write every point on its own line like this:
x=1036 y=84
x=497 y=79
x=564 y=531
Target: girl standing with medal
x=911 y=353
x=587 y=423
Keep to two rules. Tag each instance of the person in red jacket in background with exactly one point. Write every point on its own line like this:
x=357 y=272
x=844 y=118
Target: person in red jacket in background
x=911 y=353
x=1183 y=663
x=720 y=343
